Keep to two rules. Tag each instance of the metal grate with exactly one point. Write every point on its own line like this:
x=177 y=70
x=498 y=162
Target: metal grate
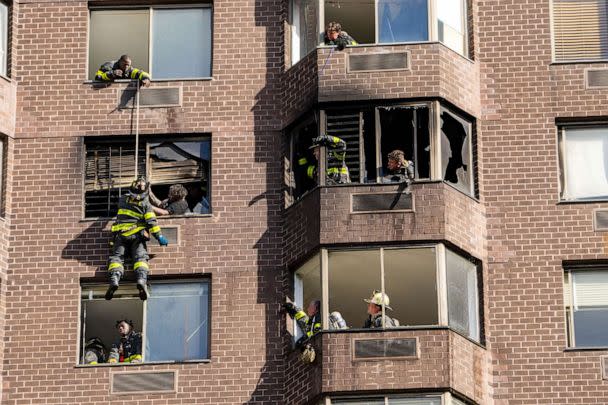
x=155 y=97
x=172 y=234
x=164 y=381
x=375 y=202
x=346 y=126
x=600 y=220
x=382 y=348
x=378 y=61
x=604 y=365
x=596 y=78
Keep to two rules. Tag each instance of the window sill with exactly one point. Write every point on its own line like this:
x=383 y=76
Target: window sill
x=578 y=62
x=6 y=78
x=148 y=363
x=124 y=81
x=586 y=349
x=158 y=217
x=583 y=201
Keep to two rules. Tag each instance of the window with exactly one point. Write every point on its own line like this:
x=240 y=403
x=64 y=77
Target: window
x=3 y=174
x=4 y=32
x=392 y=400
x=167 y=42
x=380 y=22
x=413 y=277
x=440 y=145
x=110 y=169
x=584 y=162
x=174 y=321
x=586 y=301
x=580 y=30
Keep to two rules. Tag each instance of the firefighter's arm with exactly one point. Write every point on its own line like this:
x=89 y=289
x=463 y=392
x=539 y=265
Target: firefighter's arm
x=330 y=141
x=136 y=357
x=152 y=225
x=114 y=356
x=105 y=73
x=140 y=75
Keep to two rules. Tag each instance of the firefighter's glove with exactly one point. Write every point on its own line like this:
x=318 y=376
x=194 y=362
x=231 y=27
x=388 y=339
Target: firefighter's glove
x=112 y=361
x=162 y=240
x=290 y=308
x=341 y=43
x=117 y=73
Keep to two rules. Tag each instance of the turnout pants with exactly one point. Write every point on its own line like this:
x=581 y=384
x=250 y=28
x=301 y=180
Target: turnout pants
x=136 y=246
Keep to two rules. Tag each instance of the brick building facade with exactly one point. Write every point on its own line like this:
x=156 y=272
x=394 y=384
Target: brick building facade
x=494 y=259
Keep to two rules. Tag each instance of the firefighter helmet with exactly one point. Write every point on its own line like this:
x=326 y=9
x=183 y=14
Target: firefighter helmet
x=140 y=185
x=379 y=298
x=95 y=351
x=308 y=354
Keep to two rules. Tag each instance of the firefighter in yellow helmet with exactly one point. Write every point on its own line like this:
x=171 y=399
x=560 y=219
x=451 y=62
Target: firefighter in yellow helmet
x=134 y=222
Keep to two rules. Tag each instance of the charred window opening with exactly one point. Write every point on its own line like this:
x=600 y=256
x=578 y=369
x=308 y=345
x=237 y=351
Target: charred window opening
x=456 y=160
x=302 y=162
x=406 y=129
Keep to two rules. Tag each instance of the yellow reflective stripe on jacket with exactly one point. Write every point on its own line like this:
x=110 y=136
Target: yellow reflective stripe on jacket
x=302 y=161
x=149 y=215
x=140 y=264
x=103 y=75
x=124 y=211
x=310 y=172
x=299 y=315
x=134 y=357
x=337 y=170
x=155 y=229
x=113 y=266
x=133 y=231
x=122 y=227
x=134 y=73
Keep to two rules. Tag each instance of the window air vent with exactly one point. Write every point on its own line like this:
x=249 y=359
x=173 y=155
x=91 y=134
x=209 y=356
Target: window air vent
x=378 y=61
x=604 y=364
x=367 y=349
x=596 y=78
x=600 y=220
x=378 y=202
x=154 y=97
x=128 y=382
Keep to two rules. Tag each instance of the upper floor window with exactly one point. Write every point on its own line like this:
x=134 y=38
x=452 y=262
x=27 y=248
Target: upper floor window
x=110 y=169
x=3 y=143
x=586 y=301
x=584 y=162
x=168 y=42
x=380 y=22
x=579 y=30
x=4 y=31
x=171 y=325
x=440 y=146
x=425 y=286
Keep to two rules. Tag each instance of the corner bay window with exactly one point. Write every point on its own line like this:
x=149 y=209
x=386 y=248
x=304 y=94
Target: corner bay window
x=110 y=169
x=379 y=22
x=584 y=162
x=168 y=42
x=438 y=141
x=427 y=286
x=174 y=321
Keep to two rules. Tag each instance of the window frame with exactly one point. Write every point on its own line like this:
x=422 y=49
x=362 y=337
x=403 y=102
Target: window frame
x=446 y=398
x=432 y=29
x=563 y=164
x=151 y=9
x=146 y=141
x=97 y=285
x=436 y=171
x=441 y=277
x=4 y=143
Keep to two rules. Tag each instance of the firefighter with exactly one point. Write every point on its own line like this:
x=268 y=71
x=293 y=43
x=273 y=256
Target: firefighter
x=336 y=170
x=374 y=310
x=134 y=222
x=121 y=69
x=95 y=352
x=128 y=348
x=309 y=323
x=335 y=36
x=399 y=169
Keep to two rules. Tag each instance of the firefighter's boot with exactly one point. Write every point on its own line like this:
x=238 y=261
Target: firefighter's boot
x=114 y=280
x=142 y=284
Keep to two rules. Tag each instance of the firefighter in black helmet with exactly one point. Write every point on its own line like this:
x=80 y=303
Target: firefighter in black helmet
x=134 y=222
x=128 y=348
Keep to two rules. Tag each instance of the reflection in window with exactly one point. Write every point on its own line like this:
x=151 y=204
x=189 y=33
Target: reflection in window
x=451 y=25
x=456 y=159
x=391 y=400
x=110 y=169
x=3 y=39
x=587 y=308
x=179 y=41
x=177 y=322
x=584 y=153
x=403 y=20
x=463 y=309
x=304 y=34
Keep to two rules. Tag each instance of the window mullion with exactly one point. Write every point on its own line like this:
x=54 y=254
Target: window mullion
x=144 y=329
x=378 y=136
x=572 y=337
x=150 y=41
x=325 y=288
x=442 y=290
x=432 y=20
x=436 y=170
x=382 y=285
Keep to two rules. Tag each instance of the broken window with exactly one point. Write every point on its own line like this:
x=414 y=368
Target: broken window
x=586 y=301
x=110 y=169
x=414 y=279
x=174 y=321
x=584 y=162
x=300 y=163
x=158 y=39
x=307 y=287
x=406 y=129
x=456 y=151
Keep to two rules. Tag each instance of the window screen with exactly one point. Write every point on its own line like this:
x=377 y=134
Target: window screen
x=177 y=322
x=462 y=295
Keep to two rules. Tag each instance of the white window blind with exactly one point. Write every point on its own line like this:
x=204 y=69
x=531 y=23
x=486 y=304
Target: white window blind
x=580 y=29
x=590 y=289
x=586 y=163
